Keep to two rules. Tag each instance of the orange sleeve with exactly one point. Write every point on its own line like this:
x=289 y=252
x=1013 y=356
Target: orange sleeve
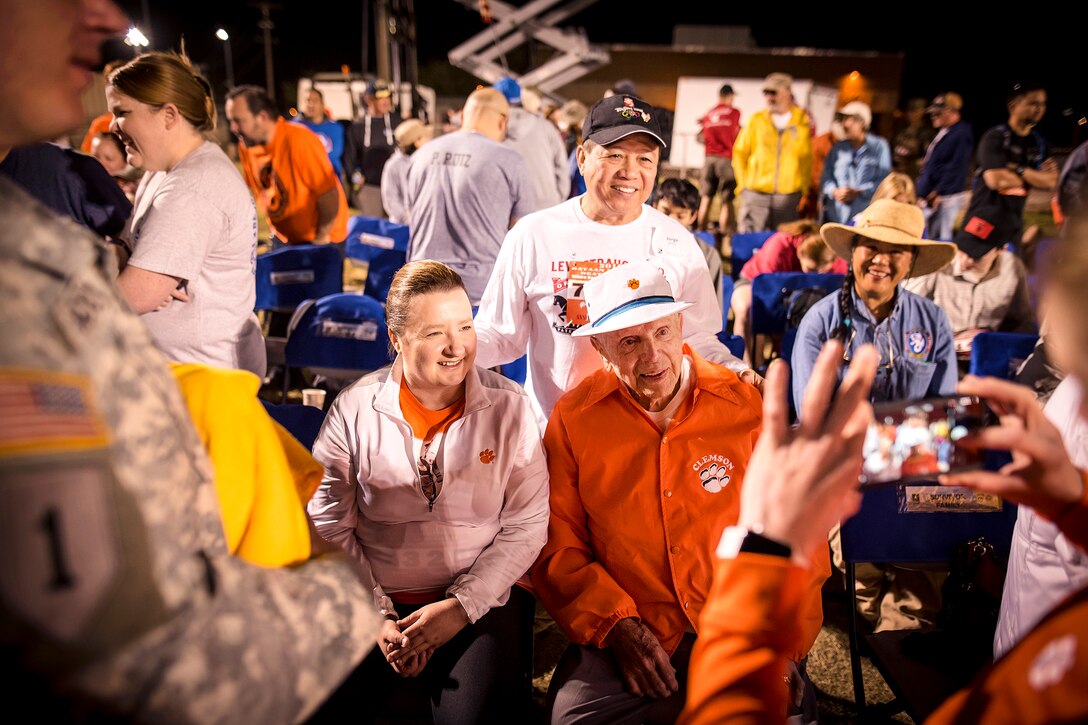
x=746 y=630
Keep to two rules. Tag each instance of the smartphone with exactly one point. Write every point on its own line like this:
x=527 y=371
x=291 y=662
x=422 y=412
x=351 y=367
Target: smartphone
x=916 y=439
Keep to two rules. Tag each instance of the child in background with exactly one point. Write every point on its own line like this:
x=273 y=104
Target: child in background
x=679 y=199
x=795 y=247
x=110 y=152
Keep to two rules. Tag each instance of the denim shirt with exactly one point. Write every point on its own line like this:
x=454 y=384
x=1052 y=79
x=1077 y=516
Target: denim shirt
x=862 y=168
x=917 y=357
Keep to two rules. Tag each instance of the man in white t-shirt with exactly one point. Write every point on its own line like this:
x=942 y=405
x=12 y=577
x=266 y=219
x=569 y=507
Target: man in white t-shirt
x=533 y=303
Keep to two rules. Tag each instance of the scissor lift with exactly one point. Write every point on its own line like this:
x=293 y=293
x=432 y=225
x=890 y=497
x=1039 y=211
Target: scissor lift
x=511 y=26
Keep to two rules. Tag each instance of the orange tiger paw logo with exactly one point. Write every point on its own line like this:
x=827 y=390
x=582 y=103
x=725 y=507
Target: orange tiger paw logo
x=487 y=455
x=633 y=283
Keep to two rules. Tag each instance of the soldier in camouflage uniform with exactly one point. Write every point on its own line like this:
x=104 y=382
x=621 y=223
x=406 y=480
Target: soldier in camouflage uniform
x=118 y=597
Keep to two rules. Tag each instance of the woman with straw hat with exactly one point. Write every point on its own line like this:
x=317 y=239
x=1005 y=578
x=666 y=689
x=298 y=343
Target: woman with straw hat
x=913 y=335
x=917 y=360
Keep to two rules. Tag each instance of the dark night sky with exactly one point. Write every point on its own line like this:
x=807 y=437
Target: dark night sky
x=980 y=61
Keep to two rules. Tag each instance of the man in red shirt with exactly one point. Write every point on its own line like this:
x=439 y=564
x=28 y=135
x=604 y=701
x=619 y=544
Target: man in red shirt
x=721 y=125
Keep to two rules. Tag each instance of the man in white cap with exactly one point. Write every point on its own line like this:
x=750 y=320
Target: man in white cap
x=533 y=300
x=855 y=165
x=646 y=458
x=772 y=159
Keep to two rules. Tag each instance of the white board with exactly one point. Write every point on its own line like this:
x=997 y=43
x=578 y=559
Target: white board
x=697 y=95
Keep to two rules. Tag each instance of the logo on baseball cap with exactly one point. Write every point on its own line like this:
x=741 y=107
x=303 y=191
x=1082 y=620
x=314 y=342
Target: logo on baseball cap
x=617 y=117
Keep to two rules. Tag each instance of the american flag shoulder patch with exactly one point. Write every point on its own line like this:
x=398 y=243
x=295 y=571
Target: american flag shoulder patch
x=44 y=410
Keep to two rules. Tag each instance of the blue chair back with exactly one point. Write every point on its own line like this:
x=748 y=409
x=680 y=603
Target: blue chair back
x=771 y=292
x=735 y=343
x=517 y=370
x=741 y=248
x=289 y=275
x=999 y=354
x=301 y=421
x=879 y=533
x=706 y=238
x=727 y=298
x=338 y=334
x=383 y=245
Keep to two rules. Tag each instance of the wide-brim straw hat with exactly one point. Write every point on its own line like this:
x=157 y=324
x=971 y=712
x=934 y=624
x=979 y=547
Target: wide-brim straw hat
x=891 y=222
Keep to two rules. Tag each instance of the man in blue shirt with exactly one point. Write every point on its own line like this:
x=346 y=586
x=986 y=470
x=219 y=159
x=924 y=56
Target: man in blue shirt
x=329 y=131
x=854 y=166
x=942 y=183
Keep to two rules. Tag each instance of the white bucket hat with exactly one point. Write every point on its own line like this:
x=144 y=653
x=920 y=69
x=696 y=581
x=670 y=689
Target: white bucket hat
x=631 y=294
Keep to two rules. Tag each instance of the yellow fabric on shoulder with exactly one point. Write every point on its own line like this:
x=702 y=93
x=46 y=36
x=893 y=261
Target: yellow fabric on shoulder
x=263 y=475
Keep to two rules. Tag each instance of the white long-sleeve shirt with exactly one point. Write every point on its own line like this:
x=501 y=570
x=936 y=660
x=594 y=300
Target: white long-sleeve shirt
x=490 y=519
x=533 y=303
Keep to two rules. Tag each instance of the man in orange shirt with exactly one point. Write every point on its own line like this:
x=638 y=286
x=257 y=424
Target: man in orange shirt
x=288 y=171
x=646 y=459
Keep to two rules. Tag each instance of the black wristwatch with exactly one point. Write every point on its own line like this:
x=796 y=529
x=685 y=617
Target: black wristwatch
x=736 y=539
x=754 y=543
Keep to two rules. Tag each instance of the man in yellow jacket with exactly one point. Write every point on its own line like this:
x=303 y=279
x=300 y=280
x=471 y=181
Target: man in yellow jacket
x=772 y=159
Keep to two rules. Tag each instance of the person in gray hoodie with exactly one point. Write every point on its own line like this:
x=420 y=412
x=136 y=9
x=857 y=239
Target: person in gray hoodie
x=540 y=144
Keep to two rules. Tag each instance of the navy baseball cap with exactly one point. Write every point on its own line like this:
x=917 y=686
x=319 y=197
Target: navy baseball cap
x=378 y=89
x=617 y=117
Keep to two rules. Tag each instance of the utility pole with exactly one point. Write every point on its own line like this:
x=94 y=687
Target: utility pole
x=381 y=39
x=266 y=26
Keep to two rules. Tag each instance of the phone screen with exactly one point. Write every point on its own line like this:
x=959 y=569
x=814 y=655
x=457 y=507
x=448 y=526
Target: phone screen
x=913 y=440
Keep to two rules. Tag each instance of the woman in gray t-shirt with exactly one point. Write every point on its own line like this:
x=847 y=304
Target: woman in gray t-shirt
x=193 y=231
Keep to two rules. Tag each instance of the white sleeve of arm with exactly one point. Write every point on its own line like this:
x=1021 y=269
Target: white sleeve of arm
x=703 y=320
x=502 y=322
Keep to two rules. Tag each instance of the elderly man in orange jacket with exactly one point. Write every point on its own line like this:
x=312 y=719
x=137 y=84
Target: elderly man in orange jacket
x=646 y=458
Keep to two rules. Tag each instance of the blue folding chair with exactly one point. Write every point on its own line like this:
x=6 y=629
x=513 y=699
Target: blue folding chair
x=290 y=275
x=921 y=668
x=301 y=421
x=383 y=245
x=287 y=277
x=741 y=248
x=1000 y=354
x=770 y=301
x=341 y=335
